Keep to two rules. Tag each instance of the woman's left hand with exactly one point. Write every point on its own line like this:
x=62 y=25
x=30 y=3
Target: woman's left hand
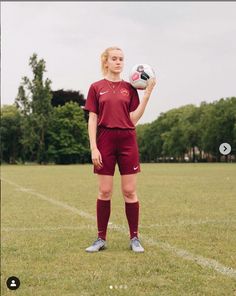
x=150 y=85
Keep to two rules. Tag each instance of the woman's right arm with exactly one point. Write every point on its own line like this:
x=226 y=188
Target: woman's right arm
x=92 y=131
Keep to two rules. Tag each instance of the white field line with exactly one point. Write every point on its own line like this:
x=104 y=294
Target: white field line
x=111 y=226
x=72 y=228
x=200 y=260
x=38 y=229
x=53 y=201
x=188 y=223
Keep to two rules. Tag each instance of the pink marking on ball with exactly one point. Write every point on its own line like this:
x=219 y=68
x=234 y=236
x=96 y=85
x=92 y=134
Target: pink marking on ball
x=135 y=76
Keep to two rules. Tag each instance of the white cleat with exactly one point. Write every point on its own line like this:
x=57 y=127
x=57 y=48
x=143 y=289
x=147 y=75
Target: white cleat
x=98 y=245
x=135 y=245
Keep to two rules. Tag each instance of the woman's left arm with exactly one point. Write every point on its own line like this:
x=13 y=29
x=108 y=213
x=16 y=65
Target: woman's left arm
x=137 y=114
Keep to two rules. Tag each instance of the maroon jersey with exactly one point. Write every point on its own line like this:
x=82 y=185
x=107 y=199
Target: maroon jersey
x=112 y=108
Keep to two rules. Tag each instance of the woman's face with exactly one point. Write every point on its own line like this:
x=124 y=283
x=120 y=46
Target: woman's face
x=115 y=61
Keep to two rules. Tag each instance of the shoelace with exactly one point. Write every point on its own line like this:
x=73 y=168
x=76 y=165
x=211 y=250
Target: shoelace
x=136 y=242
x=97 y=242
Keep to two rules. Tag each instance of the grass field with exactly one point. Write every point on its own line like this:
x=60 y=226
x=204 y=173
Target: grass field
x=187 y=226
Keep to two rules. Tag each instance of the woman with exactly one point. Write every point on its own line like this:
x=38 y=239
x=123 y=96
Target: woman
x=114 y=110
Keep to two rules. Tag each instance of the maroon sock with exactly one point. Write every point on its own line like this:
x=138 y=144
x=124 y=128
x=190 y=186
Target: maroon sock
x=132 y=214
x=103 y=214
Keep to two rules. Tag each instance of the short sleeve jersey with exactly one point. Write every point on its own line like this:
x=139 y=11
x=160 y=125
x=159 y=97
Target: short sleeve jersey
x=112 y=108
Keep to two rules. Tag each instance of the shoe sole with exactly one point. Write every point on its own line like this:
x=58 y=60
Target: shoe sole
x=136 y=251
x=101 y=249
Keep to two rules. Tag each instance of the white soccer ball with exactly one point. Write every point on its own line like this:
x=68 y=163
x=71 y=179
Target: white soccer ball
x=139 y=75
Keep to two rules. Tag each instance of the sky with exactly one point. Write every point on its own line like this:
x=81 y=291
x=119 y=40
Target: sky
x=190 y=45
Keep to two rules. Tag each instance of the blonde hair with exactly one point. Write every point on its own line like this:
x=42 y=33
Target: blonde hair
x=104 y=58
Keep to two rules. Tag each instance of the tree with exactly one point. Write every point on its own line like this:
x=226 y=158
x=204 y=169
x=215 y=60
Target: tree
x=142 y=141
x=188 y=129
x=61 y=97
x=189 y=124
x=10 y=134
x=217 y=125
x=67 y=136
x=34 y=102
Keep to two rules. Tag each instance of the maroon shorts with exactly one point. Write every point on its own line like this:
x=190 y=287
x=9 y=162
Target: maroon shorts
x=118 y=146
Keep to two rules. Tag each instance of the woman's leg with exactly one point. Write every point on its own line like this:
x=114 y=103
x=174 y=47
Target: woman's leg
x=128 y=187
x=103 y=207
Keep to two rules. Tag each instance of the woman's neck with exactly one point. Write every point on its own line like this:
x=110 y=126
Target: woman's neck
x=113 y=77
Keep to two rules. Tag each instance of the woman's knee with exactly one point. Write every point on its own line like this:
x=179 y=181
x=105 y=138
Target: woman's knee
x=105 y=192
x=105 y=187
x=129 y=193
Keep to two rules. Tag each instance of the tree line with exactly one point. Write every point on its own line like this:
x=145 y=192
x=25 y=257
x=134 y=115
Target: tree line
x=190 y=133
x=46 y=126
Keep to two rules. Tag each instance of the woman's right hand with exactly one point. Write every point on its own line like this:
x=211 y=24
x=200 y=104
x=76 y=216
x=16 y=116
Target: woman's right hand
x=97 y=158
x=150 y=85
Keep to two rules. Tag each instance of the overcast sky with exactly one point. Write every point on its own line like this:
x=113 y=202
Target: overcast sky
x=191 y=46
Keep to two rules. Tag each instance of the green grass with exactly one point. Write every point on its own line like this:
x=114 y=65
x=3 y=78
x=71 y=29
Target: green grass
x=190 y=206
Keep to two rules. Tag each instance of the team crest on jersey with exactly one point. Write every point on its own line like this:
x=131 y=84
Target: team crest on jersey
x=124 y=92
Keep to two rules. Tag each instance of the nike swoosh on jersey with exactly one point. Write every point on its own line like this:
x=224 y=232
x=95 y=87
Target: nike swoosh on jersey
x=104 y=92
x=135 y=168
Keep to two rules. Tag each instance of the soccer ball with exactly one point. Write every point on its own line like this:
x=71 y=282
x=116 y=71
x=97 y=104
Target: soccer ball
x=139 y=75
